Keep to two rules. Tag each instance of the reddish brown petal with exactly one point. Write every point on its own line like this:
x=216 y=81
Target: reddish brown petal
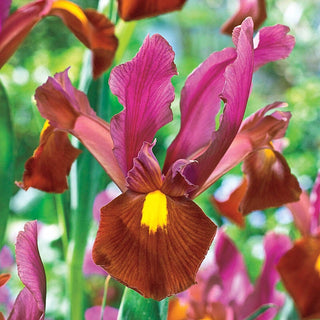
x=93 y=29
x=156 y=263
x=50 y=164
x=300 y=272
x=138 y=9
x=4 y=277
x=253 y=8
x=230 y=207
x=270 y=182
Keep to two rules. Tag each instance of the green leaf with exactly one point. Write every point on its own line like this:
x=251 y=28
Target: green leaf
x=135 y=307
x=262 y=309
x=6 y=161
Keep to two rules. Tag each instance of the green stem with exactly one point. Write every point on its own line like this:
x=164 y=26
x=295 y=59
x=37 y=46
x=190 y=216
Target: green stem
x=104 y=299
x=62 y=223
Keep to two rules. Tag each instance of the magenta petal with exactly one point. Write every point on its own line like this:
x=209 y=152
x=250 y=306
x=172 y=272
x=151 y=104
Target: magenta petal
x=94 y=313
x=31 y=300
x=271 y=44
x=315 y=206
x=232 y=270
x=4 y=11
x=89 y=267
x=101 y=200
x=275 y=245
x=200 y=102
x=144 y=89
x=238 y=77
x=6 y=259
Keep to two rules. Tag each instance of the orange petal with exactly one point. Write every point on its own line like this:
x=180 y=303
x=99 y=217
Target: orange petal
x=4 y=277
x=50 y=164
x=93 y=29
x=230 y=207
x=300 y=273
x=253 y=8
x=138 y=9
x=270 y=182
x=155 y=260
x=176 y=310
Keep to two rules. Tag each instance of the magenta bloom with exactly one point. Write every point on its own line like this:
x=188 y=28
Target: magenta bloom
x=153 y=237
x=224 y=290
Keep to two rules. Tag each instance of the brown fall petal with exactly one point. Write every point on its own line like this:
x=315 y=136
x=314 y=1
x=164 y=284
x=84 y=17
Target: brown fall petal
x=139 y=9
x=155 y=263
x=50 y=164
x=4 y=277
x=300 y=272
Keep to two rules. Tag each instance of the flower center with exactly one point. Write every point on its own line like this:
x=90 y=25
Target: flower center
x=154 y=211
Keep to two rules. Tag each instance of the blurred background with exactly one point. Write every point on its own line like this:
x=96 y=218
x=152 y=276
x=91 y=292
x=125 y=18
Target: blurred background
x=194 y=34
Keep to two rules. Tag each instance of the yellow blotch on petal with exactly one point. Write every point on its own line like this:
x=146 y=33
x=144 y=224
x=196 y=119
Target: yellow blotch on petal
x=269 y=154
x=317 y=266
x=154 y=211
x=71 y=8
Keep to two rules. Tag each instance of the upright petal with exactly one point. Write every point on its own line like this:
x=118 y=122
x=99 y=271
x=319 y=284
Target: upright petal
x=238 y=77
x=200 y=102
x=300 y=272
x=253 y=8
x=48 y=168
x=31 y=300
x=275 y=246
x=144 y=89
x=4 y=11
x=315 y=206
x=271 y=44
x=138 y=9
x=68 y=109
x=93 y=29
x=18 y=25
x=156 y=256
x=270 y=182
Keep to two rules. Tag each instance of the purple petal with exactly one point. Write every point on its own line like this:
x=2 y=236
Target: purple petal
x=238 y=77
x=200 y=102
x=4 y=11
x=144 y=89
x=232 y=270
x=95 y=312
x=89 y=267
x=275 y=245
x=271 y=44
x=6 y=259
x=102 y=199
x=31 y=300
x=315 y=206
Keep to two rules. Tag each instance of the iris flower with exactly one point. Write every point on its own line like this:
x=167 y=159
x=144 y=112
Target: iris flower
x=224 y=290
x=153 y=236
x=300 y=267
x=93 y=29
x=30 y=302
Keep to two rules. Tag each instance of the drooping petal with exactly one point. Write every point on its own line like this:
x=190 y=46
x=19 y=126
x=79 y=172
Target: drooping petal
x=255 y=132
x=238 y=77
x=68 y=109
x=4 y=11
x=300 y=272
x=93 y=29
x=31 y=300
x=94 y=313
x=253 y=8
x=232 y=270
x=18 y=25
x=271 y=44
x=270 y=182
x=315 y=206
x=48 y=168
x=139 y=9
x=275 y=246
x=301 y=214
x=200 y=102
x=230 y=207
x=152 y=243
x=144 y=89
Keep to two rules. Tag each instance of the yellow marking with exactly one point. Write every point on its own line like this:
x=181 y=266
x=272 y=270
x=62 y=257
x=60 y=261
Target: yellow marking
x=317 y=266
x=269 y=153
x=71 y=8
x=154 y=211
x=45 y=126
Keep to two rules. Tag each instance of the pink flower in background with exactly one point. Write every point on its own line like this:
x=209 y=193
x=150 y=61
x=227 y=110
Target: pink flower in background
x=224 y=290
